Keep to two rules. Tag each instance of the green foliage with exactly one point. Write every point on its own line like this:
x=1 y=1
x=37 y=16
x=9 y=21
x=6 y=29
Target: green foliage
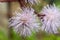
x=3 y=35
x=32 y=37
x=37 y=7
x=57 y=2
x=15 y=36
x=50 y=37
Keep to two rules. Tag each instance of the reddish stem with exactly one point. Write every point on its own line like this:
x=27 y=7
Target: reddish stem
x=22 y=3
x=39 y=15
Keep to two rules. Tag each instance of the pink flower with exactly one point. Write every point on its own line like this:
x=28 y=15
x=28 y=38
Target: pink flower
x=32 y=1
x=25 y=22
x=51 y=20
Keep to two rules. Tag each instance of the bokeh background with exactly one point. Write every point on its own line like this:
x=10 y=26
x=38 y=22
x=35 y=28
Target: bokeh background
x=9 y=34
x=3 y=21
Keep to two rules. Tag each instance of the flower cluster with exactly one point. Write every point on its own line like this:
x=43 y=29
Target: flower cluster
x=25 y=22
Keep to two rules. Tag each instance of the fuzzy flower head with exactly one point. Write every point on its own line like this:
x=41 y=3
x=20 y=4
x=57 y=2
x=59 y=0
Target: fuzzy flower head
x=25 y=22
x=51 y=20
x=32 y=1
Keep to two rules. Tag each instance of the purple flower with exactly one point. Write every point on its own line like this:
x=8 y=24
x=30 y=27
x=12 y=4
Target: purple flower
x=51 y=20
x=25 y=22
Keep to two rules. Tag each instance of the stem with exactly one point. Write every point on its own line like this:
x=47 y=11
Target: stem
x=39 y=15
x=22 y=3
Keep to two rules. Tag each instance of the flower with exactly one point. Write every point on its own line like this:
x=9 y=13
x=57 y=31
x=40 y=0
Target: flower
x=32 y=1
x=51 y=20
x=25 y=22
